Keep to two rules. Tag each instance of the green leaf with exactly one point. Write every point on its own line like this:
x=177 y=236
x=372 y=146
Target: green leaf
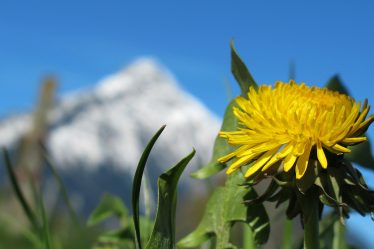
x=361 y=153
x=125 y=234
x=137 y=181
x=17 y=189
x=224 y=208
x=45 y=233
x=336 y=84
x=241 y=72
x=50 y=164
x=163 y=234
x=109 y=206
x=221 y=147
x=287 y=240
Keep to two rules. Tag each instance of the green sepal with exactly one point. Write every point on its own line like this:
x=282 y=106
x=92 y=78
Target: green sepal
x=309 y=177
x=241 y=72
x=293 y=208
x=268 y=194
x=224 y=208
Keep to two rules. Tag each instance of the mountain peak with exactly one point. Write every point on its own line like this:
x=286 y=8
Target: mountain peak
x=142 y=73
x=97 y=136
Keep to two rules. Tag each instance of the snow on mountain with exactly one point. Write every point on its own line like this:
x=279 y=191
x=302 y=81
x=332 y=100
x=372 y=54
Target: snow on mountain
x=96 y=136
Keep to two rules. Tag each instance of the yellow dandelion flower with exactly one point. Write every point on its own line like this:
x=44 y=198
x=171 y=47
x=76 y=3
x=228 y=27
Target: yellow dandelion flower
x=287 y=122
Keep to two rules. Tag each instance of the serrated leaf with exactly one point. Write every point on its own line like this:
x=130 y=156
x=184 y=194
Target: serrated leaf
x=163 y=234
x=221 y=147
x=361 y=153
x=224 y=208
x=137 y=181
x=241 y=72
x=109 y=206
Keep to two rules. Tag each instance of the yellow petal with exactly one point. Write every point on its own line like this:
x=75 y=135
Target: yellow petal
x=281 y=154
x=227 y=157
x=321 y=155
x=261 y=161
x=365 y=124
x=341 y=148
x=302 y=162
x=289 y=162
x=354 y=140
x=238 y=163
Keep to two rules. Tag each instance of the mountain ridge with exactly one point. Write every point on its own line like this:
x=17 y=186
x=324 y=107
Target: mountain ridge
x=105 y=129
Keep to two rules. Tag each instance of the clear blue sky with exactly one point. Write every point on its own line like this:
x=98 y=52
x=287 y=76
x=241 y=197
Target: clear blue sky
x=83 y=41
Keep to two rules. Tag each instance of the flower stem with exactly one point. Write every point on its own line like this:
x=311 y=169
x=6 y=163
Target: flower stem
x=310 y=206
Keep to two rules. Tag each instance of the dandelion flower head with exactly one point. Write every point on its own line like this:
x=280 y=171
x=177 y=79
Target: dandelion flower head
x=286 y=123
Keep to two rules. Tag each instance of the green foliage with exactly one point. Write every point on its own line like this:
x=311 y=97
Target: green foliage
x=287 y=241
x=137 y=183
x=112 y=206
x=230 y=123
x=224 y=208
x=220 y=146
x=235 y=202
x=17 y=189
x=241 y=72
x=45 y=230
x=163 y=234
x=109 y=206
x=361 y=153
x=60 y=183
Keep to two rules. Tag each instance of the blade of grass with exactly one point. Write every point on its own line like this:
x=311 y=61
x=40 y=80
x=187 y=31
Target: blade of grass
x=137 y=183
x=45 y=234
x=52 y=167
x=147 y=197
x=20 y=196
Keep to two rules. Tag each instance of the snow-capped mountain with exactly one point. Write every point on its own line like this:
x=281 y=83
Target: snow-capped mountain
x=96 y=136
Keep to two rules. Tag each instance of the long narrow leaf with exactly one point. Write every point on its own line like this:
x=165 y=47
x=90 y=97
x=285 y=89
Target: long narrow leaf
x=137 y=183
x=163 y=234
x=46 y=236
x=60 y=183
x=17 y=189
